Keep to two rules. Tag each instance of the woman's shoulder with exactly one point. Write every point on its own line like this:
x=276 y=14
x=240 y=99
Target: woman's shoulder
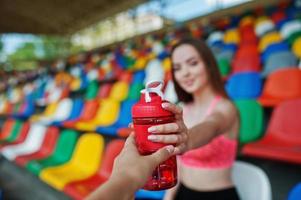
x=227 y=108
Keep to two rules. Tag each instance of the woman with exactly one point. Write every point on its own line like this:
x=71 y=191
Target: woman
x=206 y=127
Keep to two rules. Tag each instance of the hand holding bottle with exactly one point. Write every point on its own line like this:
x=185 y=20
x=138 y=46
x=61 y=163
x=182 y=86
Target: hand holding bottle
x=178 y=128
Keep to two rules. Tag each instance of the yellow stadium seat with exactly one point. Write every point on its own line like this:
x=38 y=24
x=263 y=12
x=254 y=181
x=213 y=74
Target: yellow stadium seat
x=49 y=111
x=3 y=106
x=261 y=19
x=106 y=115
x=85 y=162
x=151 y=56
x=166 y=64
x=232 y=36
x=75 y=84
x=247 y=20
x=297 y=47
x=140 y=63
x=119 y=91
x=269 y=39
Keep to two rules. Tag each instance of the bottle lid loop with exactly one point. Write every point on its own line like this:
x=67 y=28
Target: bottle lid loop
x=153 y=87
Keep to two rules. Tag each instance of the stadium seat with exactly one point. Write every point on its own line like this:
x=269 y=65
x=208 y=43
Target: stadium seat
x=231 y=36
x=224 y=66
x=32 y=143
x=279 y=60
x=104 y=90
x=26 y=109
x=84 y=162
x=264 y=26
x=244 y=85
x=92 y=90
x=214 y=37
x=170 y=93
x=154 y=71
x=294 y=37
x=283 y=84
x=107 y=114
x=246 y=21
x=268 y=39
x=250 y=63
x=62 y=153
x=61 y=112
x=251 y=182
x=123 y=118
x=77 y=106
x=87 y=113
x=290 y=27
x=134 y=91
x=296 y=48
x=49 y=111
x=119 y=91
x=145 y=194
x=7 y=129
x=282 y=139
x=13 y=131
x=251 y=120
x=46 y=149
x=75 y=84
x=278 y=16
x=295 y=193
x=80 y=189
x=3 y=103
x=18 y=136
x=273 y=48
x=248 y=36
x=138 y=76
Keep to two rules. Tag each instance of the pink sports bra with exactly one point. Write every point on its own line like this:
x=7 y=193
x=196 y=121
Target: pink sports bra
x=219 y=153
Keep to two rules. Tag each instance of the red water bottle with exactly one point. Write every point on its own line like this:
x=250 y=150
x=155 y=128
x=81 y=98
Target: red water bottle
x=146 y=113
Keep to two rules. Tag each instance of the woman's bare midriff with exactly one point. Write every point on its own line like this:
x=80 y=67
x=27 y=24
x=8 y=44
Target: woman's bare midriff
x=203 y=179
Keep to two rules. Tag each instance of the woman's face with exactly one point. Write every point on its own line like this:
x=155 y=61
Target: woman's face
x=189 y=68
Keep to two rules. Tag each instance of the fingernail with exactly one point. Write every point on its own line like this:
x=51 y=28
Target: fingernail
x=152 y=137
x=152 y=129
x=170 y=148
x=164 y=105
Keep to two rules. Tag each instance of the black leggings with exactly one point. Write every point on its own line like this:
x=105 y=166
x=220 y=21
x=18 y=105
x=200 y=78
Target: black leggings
x=185 y=193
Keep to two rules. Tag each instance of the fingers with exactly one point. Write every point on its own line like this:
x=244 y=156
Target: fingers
x=179 y=149
x=168 y=139
x=173 y=108
x=130 y=141
x=164 y=128
x=162 y=154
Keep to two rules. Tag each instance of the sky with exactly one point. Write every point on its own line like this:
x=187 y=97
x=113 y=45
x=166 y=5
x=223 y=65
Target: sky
x=177 y=10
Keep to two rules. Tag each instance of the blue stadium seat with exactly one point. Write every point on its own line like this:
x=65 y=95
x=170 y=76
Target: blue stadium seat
x=75 y=113
x=295 y=193
x=144 y=194
x=245 y=85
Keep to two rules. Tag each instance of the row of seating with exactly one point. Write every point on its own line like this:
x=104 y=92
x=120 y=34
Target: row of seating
x=68 y=161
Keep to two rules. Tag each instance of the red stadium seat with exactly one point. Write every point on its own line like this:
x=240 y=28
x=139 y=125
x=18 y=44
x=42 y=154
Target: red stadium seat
x=283 y=84
x=46 y=150
x=246 y=63
x=21 y=136
x=88 y=112
x=282 y=140
x=80 y=189
x=6 y=129
x=104 y=90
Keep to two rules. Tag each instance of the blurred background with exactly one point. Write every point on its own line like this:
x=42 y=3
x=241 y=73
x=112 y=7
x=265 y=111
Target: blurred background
x=70 y=72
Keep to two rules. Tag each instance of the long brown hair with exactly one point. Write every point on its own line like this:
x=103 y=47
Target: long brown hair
x=214 y=76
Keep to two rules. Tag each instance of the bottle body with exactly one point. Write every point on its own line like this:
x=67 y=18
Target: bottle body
x=165 y=175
